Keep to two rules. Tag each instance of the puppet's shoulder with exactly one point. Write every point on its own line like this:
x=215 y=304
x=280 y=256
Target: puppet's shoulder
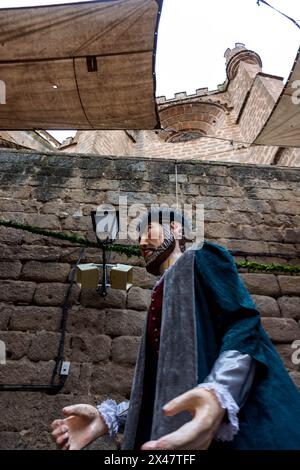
x=214 y=255
x=210 y=249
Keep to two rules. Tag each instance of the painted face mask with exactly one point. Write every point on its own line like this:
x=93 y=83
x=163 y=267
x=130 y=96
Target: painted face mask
x=162 y=252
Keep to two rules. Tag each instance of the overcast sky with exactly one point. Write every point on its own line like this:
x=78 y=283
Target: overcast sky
x=194 y=34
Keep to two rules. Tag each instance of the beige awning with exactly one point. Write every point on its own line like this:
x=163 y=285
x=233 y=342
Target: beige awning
x=283 y=125
x=79 y=66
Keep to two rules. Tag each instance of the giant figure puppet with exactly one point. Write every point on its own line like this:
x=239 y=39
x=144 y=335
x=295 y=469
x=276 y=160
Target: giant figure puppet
x=207 y=375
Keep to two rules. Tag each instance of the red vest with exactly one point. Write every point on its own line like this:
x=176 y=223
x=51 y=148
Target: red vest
x=154 y=318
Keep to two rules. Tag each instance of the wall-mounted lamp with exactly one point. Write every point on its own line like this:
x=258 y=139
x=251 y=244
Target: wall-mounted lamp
x=119 y=276
x=105 y=225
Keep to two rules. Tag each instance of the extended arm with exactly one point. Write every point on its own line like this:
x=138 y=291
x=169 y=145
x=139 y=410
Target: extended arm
x=84 y=423
x=225 y=389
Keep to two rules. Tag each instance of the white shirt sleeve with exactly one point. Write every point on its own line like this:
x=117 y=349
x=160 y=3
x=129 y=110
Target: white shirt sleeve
x=231 y=379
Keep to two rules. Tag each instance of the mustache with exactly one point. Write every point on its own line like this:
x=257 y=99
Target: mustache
x=148 y=247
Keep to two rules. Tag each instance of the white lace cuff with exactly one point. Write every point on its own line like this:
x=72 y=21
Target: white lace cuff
x=108 y=411
x=226 y=431
x=113 y=414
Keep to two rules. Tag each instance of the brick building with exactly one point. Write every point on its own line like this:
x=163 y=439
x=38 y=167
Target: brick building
x=217 y=125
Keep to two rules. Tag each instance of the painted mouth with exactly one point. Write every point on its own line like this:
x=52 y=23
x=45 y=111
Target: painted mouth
x=148 y=252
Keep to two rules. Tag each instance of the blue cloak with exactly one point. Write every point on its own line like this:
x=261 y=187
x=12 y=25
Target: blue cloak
x=270 y=418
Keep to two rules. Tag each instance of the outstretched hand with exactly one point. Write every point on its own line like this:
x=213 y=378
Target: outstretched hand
x=198 y=433
x=82 y=425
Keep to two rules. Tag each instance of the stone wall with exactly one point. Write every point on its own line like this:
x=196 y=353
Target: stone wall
x=249 y=208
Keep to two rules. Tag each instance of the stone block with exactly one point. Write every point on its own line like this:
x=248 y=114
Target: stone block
x=25 y=372
x=69 y=223
x=45 y=272
x=112 y=378
x=280 y=220
x=213 y=216
x=90 y=349
x=216 y=169
x=210 y=203
x=124 y=322
x=210 y=180
x=289 y=307
x=282 y=249
x=281 y=330
x=34 y=318
x=49 y=222
x=5 y=316
x=292 y=235
x=58 y=207
x=10 y=270
x=125 y=349
x=34 y=414
x=265 y=194
x=10 y=440
x=16 y=343
x=138 y=298
x=141 y=278
x=139 y=185
x=267 y=306
x=289 y=285
x=16 y=191
x=31 y=252
x=285 y=207
x=168 y=199
x=70 y=255
x=44 y=346
x=102 y=184
x=112 y=197
x=243 y=246
x=86 y=320
x=262 y=232
x=54 y=294
x=10 y=236
x=17 y=291
x=220 y=191
x=249 y=205
x=180 y=179
x=115 y=298
x=191 y=189
x=222 y=231
x=261 y=284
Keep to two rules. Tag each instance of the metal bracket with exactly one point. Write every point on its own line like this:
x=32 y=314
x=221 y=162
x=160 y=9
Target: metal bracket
x=65 y=368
